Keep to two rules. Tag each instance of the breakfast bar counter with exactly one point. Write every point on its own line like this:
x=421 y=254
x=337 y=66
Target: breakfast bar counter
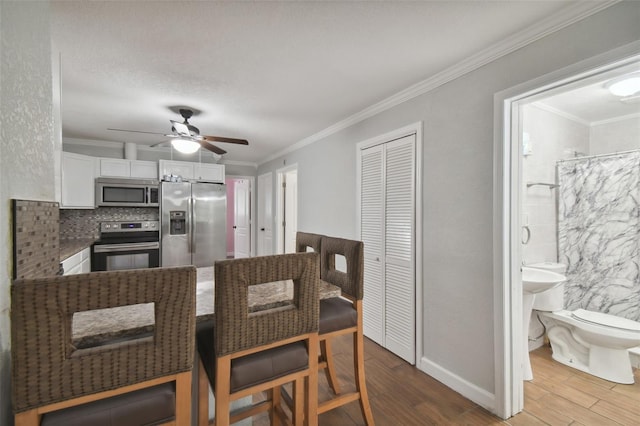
x=99 y=327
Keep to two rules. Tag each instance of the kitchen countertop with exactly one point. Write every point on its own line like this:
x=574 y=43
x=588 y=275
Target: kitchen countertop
x=92 y=328
x=71 y=246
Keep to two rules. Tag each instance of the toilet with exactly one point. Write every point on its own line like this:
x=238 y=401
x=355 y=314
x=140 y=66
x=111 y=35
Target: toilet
x=593 y=342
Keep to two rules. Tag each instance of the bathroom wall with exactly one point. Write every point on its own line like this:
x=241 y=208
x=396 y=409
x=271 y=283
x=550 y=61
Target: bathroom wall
x=598 y=233
x=615 y=135
x=550 y=137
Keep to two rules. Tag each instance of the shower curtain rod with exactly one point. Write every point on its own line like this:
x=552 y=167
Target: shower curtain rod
x=600 y=155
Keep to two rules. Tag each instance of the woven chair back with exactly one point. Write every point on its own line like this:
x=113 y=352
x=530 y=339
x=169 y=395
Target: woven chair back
x=47 y=368
x=237 y=329
x=351 y=282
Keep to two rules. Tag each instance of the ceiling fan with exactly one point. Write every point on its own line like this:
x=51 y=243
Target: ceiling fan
x=187 y=134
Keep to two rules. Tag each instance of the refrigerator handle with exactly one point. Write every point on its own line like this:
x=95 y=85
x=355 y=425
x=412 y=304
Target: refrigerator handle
x=189 y=224
x=193 y=225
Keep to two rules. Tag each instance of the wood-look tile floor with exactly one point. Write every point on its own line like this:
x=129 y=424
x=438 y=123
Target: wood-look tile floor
x=401 y=395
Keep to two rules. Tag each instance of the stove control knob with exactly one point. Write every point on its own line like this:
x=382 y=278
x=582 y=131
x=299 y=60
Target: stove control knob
x=107 y=226
x=146 y=225
x=153 y=225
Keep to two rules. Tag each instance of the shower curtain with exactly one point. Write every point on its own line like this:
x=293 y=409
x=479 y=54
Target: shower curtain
x=599 y=233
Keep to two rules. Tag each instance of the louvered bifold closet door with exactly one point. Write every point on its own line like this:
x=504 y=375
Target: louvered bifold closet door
x=372 y=235
x=399 y=249
x=387 y=226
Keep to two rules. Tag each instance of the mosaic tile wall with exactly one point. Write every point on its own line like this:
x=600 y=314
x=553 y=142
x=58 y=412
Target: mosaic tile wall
x=86 y=223
x=36 y=239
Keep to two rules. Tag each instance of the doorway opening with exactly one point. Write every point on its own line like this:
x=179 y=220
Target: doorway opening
x=521 y=142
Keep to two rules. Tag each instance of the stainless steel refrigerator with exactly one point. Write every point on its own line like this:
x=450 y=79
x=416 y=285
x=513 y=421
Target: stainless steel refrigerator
x=193 y=225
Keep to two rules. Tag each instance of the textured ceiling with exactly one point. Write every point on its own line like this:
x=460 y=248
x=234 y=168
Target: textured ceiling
x=270 y=72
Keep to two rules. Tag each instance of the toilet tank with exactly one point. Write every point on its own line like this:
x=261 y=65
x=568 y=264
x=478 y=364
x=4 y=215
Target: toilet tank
x=550 y=300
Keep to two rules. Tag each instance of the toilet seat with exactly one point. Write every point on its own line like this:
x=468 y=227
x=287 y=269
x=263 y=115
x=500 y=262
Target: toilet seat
x=599 y=318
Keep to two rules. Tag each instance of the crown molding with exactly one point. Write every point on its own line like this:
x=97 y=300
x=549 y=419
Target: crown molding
x=617 y=119
x=561 y=113
x=239 y=163
x=567 y=16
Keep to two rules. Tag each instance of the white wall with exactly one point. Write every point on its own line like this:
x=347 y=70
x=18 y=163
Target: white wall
x=457 y=183
x=551 y=136
x=615 y=135
x=27 y=141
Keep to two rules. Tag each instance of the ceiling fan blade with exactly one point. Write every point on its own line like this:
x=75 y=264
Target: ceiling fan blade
x=212 y=148
x=165 y=143
x=180 y=128
x=138 y=131
x=226 y=140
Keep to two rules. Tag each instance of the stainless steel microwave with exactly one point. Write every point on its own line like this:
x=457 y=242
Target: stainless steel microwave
x=114 y=192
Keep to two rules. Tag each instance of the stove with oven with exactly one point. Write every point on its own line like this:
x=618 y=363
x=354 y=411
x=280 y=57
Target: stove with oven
x=126 y=245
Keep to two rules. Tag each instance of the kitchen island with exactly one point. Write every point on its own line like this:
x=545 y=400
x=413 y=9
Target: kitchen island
x=104 y=326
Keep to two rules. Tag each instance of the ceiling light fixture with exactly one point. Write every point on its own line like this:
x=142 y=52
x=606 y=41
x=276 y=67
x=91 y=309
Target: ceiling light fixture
x=625 y=86
x=185 y=146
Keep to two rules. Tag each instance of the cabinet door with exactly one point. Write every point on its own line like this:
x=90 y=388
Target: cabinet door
x=179 y=168
x=209 y=172
x=113 y=167
x=78 y=186
x=144 y=169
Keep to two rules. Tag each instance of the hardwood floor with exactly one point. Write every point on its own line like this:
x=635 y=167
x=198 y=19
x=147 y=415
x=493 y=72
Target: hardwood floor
x=401 y=395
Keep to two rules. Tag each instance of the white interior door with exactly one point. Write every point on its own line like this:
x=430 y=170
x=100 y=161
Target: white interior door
x=290 y=211
x=265 y=214
x=372 y=235
x=242 y=219
x=387 y=227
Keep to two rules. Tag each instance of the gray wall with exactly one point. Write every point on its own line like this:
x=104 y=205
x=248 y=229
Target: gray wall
x=458 y=168
x=27 y=141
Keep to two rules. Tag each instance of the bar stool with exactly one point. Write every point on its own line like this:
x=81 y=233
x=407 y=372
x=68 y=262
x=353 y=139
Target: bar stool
x=137 y=380
x=244 y=353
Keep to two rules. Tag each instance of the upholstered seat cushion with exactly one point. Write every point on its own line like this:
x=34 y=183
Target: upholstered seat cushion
x=147 y=406
x=336 y=313
x=252 y=369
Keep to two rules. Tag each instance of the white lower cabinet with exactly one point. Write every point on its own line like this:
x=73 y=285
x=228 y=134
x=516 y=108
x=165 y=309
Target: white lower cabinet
x=78 y=263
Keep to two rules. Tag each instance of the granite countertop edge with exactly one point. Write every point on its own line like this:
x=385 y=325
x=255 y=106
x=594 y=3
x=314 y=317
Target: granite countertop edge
x=71 y=246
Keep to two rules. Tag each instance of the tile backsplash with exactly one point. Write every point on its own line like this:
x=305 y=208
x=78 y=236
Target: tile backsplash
x=86 y=223
x=35 y=239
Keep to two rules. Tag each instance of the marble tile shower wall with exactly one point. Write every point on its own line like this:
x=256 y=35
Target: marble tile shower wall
x=86 y=223
x=599 y=233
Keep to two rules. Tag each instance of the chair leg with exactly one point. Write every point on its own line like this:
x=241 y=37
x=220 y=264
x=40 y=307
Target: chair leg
x=326 y=355
x=274 y=416
x=27 y=418
x=299 y=404
x=361 y=385
x=183 y=399
x=223 y=390
x=311 y=384
x=203 y=395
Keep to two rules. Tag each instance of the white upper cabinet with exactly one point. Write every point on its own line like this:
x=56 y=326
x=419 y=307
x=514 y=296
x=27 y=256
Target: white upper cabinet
x=114 y=167
x=78 y=174
x=144 y=169
x=209 y=172
x=192 y=171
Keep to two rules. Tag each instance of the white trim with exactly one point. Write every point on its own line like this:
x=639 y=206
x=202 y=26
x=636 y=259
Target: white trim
x=279 y=231
x=551 y=24
x=616 y=119
x=252 y=211
x=417 y=129
x=458 y=384
x=563 y=114
x=507 y=281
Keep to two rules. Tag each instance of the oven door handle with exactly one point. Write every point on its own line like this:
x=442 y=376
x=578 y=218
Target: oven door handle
x=103 y=248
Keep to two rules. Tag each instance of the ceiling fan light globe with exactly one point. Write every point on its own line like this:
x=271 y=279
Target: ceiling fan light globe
x=185 y=146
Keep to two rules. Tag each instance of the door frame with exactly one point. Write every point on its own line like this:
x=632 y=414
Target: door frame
x=252 y=210
x=279 y=229
x=260 y=194
x=508 y=343
x=414 y=128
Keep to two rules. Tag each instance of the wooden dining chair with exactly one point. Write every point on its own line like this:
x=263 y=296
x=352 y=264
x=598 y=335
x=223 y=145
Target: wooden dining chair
x=341 y=315
x=132 y=381
x=243 y=353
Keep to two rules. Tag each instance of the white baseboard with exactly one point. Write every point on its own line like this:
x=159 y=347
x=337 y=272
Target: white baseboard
x=467 y=389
